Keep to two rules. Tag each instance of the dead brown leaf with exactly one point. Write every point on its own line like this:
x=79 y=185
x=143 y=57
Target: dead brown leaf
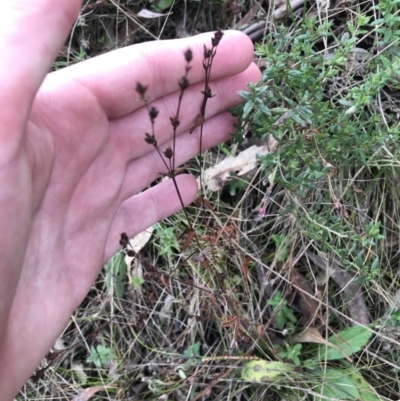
x=216 y=176
x=188 y=240
x=141 y=239
x=164 y=280
x=205 y=202
x=88 y=393
x=308 y=305
x=251 y=14
x=245 y=267
x=310 y=335
x=351 y=290
x=39 y=374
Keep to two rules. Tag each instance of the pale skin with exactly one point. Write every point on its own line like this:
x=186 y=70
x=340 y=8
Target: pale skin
x=73 y=162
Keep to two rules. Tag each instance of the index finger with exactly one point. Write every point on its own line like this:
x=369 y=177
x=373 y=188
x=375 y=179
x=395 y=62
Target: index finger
x=112 y=77
x=31 y=34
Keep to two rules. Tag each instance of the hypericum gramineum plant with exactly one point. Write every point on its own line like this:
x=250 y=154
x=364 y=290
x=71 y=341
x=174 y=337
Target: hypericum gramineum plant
x=168 y=154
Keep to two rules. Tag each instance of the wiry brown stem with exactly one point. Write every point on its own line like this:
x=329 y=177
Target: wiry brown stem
x=209 y=55
x=183 y=85
x=151 y=140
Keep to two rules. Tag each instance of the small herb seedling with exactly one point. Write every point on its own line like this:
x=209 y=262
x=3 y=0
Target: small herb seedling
x=284 y=316
x=100 y=355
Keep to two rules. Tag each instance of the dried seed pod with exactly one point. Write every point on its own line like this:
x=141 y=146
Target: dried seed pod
x=207 y=52
x=188 y=55
x=168 y=153
x=124 y=240
x=150 y=139
x=217 y=38
x=174 y=122
x=207 y=93
x=183 y=83
x=153 y=113
x=141 y=89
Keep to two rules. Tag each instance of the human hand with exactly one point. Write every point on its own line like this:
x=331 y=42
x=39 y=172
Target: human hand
x=73 y=160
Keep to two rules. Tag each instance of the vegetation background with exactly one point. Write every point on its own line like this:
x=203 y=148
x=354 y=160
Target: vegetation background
x=288 y=287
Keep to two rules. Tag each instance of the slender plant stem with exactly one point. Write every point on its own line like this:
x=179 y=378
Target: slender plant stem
x=209 y=55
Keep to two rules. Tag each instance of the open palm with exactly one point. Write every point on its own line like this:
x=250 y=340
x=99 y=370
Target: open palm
x=73 y=160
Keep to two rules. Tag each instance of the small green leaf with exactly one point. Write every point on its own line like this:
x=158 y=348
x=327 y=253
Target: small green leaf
x=193 y=351
x=295 y=73
x=377 y=22
x=248 y=107
x=345 y=102
x=280 y=320
x=332 y=72
x=137 y=282
x=348 y=341
x=375 y=264
x=163 y=4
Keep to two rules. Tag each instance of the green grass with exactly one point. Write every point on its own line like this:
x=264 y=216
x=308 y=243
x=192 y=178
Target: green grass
x=184 y=324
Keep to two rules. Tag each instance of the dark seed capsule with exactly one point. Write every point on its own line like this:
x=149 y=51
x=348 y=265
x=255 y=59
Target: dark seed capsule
x=141 y=89
x=207 y=93
x=153 y=113
x=217 y=38
x=168 y=153
x=207 y=52
x=188 y=55
x=150 y=139
x=174 y=122
x=124 y=239
x=183 y=83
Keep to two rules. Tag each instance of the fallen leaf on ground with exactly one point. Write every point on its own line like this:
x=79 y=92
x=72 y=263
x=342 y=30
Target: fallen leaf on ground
x=216 y=176
x=88 y=393
x=140 y=240
x=350 y=289
x=137 y=243
x=310 y=335
x=307 y=304
x=144 y=13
